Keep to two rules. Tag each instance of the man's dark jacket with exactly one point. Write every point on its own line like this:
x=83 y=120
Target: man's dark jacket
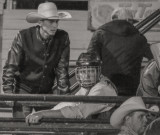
x=121 y=48
x=33 y=64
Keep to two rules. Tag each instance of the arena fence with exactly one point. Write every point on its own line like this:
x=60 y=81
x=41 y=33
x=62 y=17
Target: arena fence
x=59 y=126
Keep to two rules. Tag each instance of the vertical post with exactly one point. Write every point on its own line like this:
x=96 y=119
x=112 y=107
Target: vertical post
x=1 y=30
x=9 y=4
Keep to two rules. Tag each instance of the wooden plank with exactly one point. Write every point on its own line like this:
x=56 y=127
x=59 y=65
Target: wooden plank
x=66 y=25
x=20 y=14
x=73 y=54
x=75 y=44
x=78 y=39
x=6 y=44
x=74 y=34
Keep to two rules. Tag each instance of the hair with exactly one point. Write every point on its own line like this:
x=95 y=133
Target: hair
x=122 y=13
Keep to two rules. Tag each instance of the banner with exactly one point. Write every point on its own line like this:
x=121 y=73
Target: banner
x=100 y=10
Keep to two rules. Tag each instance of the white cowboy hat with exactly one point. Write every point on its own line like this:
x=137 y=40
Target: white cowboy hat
x=130 y=105
x=47 y=10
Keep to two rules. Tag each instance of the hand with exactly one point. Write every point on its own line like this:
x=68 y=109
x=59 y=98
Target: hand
x=33 y=118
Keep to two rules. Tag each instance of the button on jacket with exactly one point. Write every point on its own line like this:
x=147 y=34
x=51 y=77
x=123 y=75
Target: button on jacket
x=33 y=64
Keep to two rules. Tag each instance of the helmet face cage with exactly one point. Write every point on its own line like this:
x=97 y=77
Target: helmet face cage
x=88 y=76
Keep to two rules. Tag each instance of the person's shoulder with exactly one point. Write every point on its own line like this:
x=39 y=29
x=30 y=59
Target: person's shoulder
x=62 y=32
x=105 y=86
x=103 y=30
x=104 y=27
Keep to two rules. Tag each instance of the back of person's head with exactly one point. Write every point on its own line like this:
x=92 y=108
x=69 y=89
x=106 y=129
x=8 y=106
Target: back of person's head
x=123 y=14
x=88 y=69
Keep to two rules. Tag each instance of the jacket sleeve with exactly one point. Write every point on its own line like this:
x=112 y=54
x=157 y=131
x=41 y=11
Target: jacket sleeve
x=63 y=83
x=11 y=68
x=149 y=81
x=84 y=110
x=96 y=43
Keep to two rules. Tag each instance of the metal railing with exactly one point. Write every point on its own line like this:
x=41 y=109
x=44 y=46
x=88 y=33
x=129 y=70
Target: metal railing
x=51 y=100
x=59 y=126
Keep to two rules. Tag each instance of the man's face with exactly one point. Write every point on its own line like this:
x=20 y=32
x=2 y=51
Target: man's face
x=138 y=121
x=49 y=27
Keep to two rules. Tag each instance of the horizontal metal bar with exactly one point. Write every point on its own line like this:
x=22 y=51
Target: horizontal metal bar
x=36 y=132
x=72 y=98
x=3 y=104
x=56 y=127
x=60 y=120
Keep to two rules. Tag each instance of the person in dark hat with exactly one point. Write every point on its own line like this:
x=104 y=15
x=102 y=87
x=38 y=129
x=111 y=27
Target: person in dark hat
x=121 y=48
x=38 y=55
x=88 y=75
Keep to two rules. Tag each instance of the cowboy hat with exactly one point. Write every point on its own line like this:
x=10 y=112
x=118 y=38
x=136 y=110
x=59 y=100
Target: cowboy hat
x=130 y=105
x=47 y=10
x=123 y=14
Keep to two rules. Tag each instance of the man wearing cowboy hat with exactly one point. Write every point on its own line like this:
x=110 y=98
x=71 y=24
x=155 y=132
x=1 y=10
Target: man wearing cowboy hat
x=37 y=56
x=130 y=117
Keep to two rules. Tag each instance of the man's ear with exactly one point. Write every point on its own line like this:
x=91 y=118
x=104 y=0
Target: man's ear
x=127 y=118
